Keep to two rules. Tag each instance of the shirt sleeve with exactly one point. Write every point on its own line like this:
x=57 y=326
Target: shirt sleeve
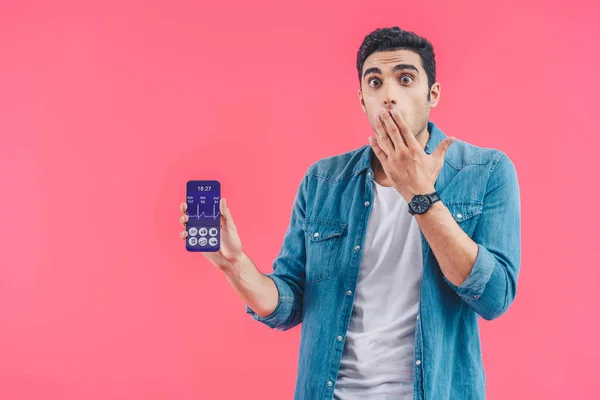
x=491 y=286
x=289 y=269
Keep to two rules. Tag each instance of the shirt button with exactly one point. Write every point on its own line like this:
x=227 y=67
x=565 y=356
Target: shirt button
x=476 y=296
x=329 y=383
x=367 y=204
x=316 y=234
x=418 y=362
x=357 y=248
x=417 y=317
x=349 y=292
x=459 y=216
x=369 y=174
x=339 y=338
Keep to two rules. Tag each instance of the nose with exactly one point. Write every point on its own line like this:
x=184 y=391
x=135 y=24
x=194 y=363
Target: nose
x=389 y=103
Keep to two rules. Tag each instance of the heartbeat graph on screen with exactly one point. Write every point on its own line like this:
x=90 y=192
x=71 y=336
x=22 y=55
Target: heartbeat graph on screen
x=198 y=215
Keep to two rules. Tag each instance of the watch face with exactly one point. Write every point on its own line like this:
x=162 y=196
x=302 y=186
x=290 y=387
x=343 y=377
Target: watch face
x=420 y=204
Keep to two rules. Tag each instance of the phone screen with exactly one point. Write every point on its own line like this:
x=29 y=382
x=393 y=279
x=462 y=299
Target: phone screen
x=204 y=218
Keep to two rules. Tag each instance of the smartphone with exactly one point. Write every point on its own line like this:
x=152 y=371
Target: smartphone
x=204 y=216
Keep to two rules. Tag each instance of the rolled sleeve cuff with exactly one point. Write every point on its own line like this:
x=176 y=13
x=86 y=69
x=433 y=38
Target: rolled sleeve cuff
x=474 y=285
x=284 y=308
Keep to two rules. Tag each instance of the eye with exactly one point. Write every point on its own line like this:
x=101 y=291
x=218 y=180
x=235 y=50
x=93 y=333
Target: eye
x=377 y=80
x=407 y=79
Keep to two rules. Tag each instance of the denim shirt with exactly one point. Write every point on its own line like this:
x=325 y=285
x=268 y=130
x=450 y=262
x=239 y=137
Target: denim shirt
x=316 y=270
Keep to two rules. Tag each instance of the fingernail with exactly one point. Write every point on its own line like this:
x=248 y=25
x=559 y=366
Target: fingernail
x=383 y=110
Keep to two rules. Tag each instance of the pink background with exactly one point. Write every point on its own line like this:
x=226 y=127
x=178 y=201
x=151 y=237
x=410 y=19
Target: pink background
x=106 y=111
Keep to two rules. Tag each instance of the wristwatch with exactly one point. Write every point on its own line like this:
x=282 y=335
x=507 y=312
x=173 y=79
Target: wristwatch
x=422 y=202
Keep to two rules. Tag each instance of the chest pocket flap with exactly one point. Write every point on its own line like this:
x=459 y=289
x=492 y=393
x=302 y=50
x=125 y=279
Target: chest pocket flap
x=465 y=214
x=323 y=243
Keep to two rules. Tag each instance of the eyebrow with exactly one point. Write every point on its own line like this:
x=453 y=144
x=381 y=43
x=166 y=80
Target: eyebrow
x=398 y=67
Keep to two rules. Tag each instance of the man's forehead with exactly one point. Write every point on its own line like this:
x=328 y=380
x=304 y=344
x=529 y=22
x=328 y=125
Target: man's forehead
x=391 y=58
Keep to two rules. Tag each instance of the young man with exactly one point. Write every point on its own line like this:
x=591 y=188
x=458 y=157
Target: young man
x=393 y=250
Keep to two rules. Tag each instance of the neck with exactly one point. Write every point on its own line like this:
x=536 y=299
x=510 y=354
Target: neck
x=423 y=137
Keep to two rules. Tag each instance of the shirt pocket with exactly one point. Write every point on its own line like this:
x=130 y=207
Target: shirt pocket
x=323 y=241
x=466 y=214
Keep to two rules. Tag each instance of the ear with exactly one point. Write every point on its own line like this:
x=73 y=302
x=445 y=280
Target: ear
x=362 y=101
x=434 y=94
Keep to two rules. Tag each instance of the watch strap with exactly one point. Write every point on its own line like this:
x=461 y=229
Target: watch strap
x=433 y=197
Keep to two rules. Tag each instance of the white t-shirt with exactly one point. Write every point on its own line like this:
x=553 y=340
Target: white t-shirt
x=378 y=357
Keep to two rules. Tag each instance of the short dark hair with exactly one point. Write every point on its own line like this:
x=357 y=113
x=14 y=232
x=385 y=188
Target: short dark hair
x=394 y=38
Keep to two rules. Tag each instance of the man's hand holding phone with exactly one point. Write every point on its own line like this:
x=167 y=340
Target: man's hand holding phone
x=225 y=251
x=230 y=253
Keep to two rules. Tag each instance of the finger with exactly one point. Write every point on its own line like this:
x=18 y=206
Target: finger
x=377 y=149
x=404 y=130
x=383 y=139
x=442 y=148
x=183 y=220
x=223 y=210
x=226 y=218
x=392 y=129
x=183 y=234
x=183 y=207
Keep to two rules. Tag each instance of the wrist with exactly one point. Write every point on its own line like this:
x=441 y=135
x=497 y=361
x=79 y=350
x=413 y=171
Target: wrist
x=410 y=194
x=422 y=203
x=232 y=268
